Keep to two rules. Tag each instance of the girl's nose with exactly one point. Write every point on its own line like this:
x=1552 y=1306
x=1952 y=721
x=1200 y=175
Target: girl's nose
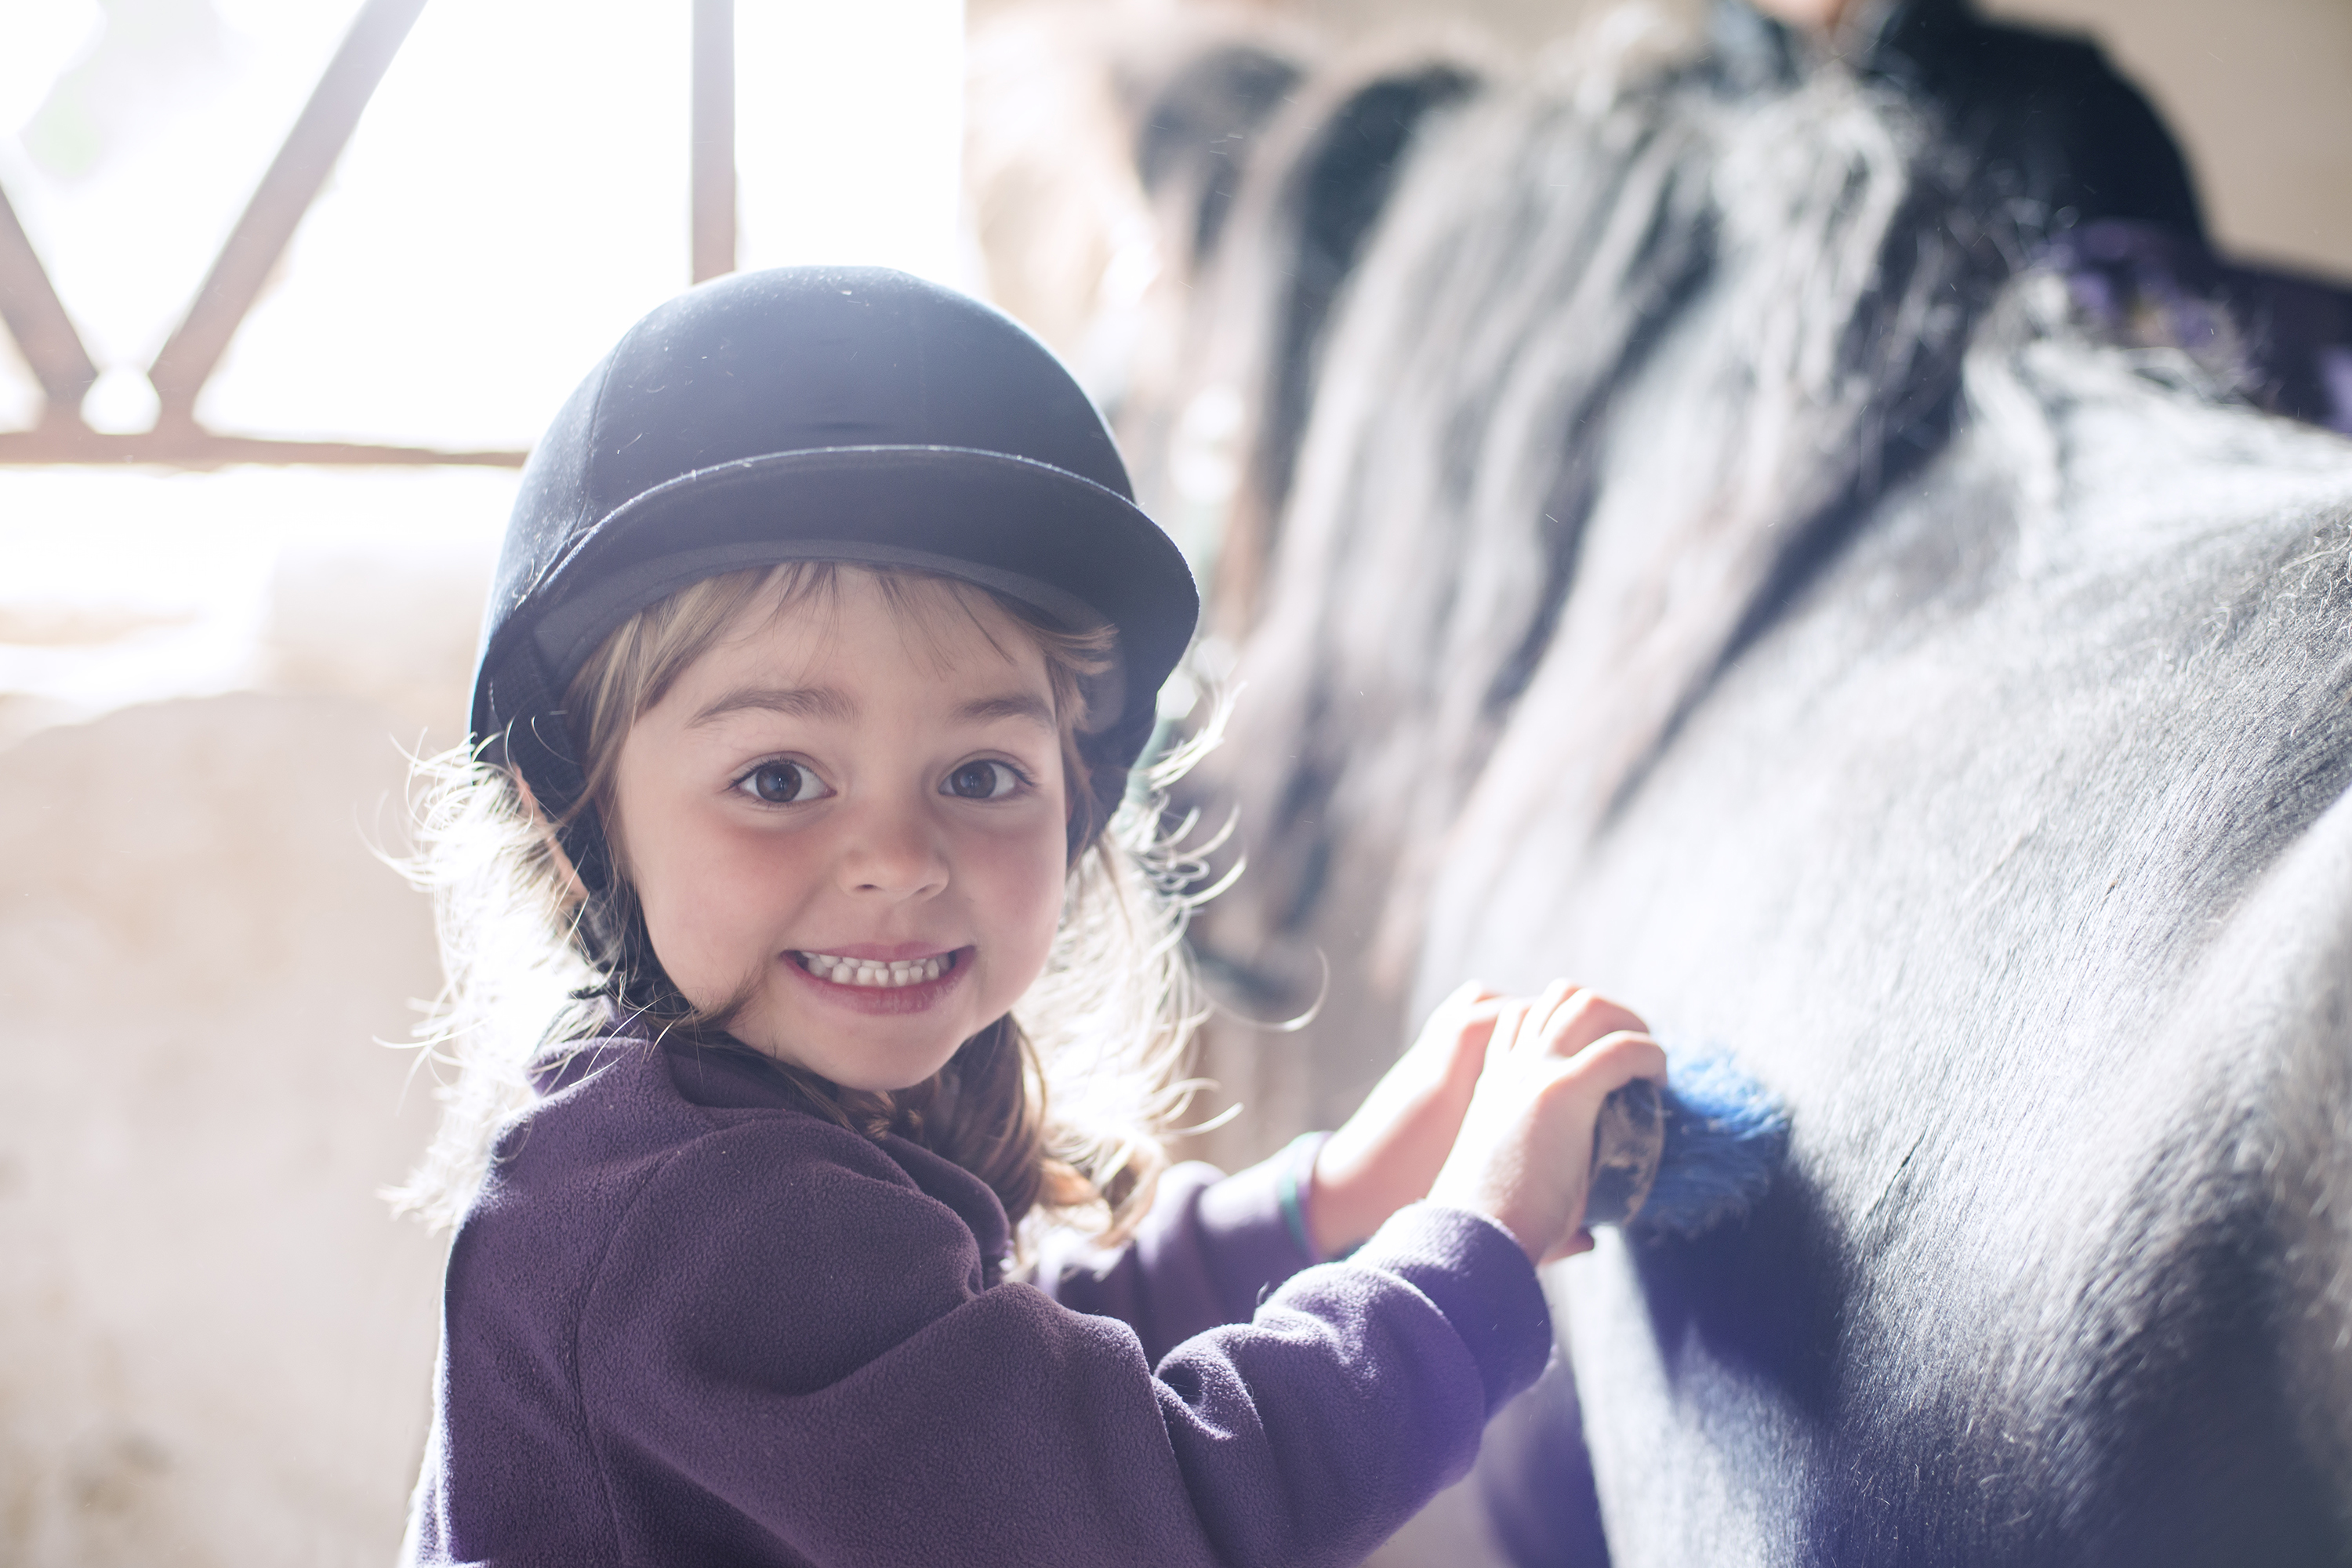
x=892 y=849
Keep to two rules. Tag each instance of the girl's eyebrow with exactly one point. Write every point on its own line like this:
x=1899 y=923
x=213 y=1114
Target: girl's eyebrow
x=797 y=702
x=1011 y=705
x=823 y=702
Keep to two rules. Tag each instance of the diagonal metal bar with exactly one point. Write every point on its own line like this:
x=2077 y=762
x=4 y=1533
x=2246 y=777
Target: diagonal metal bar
x=279 y=203
x=36 y=319
x=714 y=138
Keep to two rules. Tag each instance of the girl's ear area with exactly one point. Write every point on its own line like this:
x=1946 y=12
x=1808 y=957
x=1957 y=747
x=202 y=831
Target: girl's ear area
x=572 y=887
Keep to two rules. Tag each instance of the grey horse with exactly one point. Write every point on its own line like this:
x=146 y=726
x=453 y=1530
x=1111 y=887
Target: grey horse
x=1733 y=546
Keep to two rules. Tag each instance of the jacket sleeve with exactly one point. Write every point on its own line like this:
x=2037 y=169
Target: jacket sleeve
x=1211 y=1247
x=803 y=1342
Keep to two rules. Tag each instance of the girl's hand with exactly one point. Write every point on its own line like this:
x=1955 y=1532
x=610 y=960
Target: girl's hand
x=1391 y=1149
x=1525 y=1151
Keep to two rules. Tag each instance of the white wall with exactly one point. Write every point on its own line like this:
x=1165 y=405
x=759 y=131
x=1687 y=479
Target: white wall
x=218 y=1340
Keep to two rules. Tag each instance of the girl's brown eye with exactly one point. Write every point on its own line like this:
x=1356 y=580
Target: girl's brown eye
x=982 y=781
x=780 y=784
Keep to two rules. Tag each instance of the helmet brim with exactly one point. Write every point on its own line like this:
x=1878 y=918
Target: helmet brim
x=1081 y=554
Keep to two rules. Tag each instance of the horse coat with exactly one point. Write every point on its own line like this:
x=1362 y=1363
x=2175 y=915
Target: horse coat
x=1701 y=557
x=2016 y=857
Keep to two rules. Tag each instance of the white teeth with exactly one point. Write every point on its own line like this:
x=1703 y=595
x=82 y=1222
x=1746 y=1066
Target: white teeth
x=874 y=973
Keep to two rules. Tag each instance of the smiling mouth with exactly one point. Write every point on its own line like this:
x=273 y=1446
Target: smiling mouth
x=873 y=974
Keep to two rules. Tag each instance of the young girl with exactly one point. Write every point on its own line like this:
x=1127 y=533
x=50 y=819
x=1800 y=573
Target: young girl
x=825 y=639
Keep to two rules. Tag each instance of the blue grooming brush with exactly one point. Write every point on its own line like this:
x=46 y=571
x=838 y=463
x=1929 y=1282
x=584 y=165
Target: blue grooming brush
x=1686 y=1158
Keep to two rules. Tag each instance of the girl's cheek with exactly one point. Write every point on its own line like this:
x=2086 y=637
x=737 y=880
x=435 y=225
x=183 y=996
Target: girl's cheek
x=712 y=894
x=1021 y=878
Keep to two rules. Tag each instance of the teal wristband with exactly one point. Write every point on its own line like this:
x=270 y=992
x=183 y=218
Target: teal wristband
x=1298 y=1162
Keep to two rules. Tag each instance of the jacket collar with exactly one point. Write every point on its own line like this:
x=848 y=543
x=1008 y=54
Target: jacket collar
x=735 y=1079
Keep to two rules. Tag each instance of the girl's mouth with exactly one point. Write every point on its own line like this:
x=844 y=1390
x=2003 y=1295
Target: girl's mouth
x=886 y=987
x=896 y=975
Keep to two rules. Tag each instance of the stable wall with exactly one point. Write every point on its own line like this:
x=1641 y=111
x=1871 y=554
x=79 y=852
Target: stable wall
x=219 y=1340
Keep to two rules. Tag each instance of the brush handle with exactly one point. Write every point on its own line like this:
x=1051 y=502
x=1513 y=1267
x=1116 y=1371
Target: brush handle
x=1627 y=1143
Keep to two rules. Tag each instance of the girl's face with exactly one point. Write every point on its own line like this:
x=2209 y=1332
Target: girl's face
x=854 y=821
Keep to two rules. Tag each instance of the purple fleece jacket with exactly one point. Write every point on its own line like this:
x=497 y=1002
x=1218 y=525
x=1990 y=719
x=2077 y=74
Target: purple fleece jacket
x=687 y=1323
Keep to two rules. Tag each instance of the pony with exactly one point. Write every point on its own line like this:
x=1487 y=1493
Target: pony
x=1739 y=543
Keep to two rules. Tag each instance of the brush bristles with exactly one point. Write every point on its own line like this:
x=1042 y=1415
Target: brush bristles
x=1726 y=1136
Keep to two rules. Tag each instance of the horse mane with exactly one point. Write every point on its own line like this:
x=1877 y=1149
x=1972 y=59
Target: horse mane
x=1623 y=354
x=1323 y=174
x=1104 y=148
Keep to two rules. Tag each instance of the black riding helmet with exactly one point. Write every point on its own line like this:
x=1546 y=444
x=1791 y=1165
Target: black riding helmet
x=836 y=413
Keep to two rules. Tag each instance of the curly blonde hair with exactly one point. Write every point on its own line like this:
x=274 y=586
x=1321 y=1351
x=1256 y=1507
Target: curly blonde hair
x=1062 y=1107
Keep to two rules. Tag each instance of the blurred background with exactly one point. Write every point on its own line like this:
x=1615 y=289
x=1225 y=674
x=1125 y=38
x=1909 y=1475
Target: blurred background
x=215 y=1342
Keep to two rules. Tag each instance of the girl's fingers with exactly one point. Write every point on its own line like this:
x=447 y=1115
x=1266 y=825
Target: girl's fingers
x=1455 y=1029
x=1454 y=1038
x=1471 y=1038
x=1557 y=995
x=1463 y=1000
x=1544 y=1007
x=1585 y=1017
x=1481 y=1016
x=1616 y=1060
x=1511 y=1022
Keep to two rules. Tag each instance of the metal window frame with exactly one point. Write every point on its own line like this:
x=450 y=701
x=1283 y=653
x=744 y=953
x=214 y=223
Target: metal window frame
x=45 y=334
